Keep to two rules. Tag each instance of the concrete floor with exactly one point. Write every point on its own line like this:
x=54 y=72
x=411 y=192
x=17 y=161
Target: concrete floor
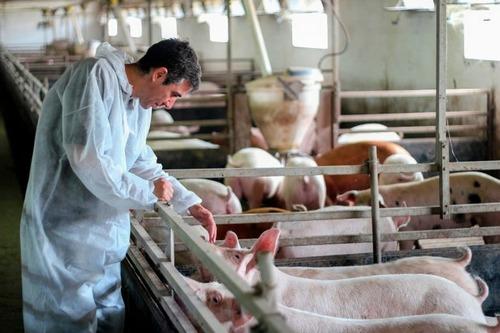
x=11 y=202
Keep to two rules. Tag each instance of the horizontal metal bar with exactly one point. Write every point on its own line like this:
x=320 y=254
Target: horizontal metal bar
x=255 y=304
x=203 y=98
x=203 y=316
x=410 y=93
x=407 y=116
x=476 y=165
x=418 y=129
x=259 y=172
x=355 y=212
x=367 y=238
x=209 y=136
x=201 y=122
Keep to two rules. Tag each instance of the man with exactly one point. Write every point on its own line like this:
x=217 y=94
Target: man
x=90 y=166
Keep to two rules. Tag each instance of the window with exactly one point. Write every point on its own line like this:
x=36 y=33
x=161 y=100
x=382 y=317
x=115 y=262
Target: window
x=168 y=27
x=135 y=24
x=481 y=34
x=310 y=30
x=112 y=27
x=217 y=25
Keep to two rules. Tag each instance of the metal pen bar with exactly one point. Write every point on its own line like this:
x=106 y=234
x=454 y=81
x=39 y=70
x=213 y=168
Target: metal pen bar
x=203 y=316
x=368 y=238
x=257 y=305
x=199 y=310
x=373 y=163
x=411 y=93
x=417 y=129
x=408 y=116
x=230 y=114
x=442 y=157
x=201 y=123
x=194 y=136
x=359 y=212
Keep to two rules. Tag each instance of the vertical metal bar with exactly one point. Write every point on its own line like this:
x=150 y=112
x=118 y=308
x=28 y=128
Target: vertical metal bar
x=336 y=102
x=251 y=14
x=150 y=24
x=229 y=82
x=490 y=124
x=373 y=166
x=442 y=154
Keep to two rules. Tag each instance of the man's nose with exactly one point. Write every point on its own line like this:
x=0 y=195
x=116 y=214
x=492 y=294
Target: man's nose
x=170 y=103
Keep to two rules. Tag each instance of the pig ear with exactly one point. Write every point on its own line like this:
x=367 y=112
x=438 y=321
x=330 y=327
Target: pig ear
x=347 y=198
x=231 y=241
x=267 y=242
x=194 y=285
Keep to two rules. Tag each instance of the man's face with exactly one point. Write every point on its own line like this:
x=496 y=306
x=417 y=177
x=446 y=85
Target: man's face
x=156 y=94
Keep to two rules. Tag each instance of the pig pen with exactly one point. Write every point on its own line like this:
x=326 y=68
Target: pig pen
x=157 y=255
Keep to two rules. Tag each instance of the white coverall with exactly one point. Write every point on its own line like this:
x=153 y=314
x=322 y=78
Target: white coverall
x=90 y=166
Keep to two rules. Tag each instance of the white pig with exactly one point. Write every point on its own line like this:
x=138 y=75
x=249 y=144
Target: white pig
x=359 y=298
x=218 y=198
x=306 y=322
x=400 y=177
x=465 y=188
x=451 y=269
x=309 y=191
x=336 y=227
x=254 y=189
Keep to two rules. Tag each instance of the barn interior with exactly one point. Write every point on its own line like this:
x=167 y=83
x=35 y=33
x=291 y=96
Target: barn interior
x=355 y=132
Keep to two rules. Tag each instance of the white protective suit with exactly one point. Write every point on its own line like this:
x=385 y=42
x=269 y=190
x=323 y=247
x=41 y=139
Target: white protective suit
x=90 y=166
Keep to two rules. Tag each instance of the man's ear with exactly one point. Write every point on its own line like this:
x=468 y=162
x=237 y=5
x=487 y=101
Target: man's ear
x=160 y=74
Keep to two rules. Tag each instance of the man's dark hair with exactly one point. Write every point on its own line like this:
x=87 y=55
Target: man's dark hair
x=178 y=57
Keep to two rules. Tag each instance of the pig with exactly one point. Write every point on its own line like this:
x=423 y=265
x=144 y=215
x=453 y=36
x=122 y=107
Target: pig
x=254 y=189
x=218 y=198
x=400 y=177
x=309 y=191
x=335 y=227
x=451 y=269
x=362 y=135
x=353 y=154
x=306 y=322
x=359 y=298
x=465 y=188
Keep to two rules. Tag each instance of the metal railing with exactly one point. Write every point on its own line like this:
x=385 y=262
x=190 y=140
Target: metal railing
x=31 y=88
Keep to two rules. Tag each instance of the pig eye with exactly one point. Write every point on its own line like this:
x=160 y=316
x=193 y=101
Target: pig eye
x=237 y=256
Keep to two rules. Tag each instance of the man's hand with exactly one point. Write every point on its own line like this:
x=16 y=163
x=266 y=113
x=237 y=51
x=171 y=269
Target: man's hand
x=163 y=189
x=206 y=219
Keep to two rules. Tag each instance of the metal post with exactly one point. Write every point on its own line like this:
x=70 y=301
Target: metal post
x=150 y=24
x=251 y=14
x=373 y=165
x=442 y=155
x=336 y=102
x=229 y=82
